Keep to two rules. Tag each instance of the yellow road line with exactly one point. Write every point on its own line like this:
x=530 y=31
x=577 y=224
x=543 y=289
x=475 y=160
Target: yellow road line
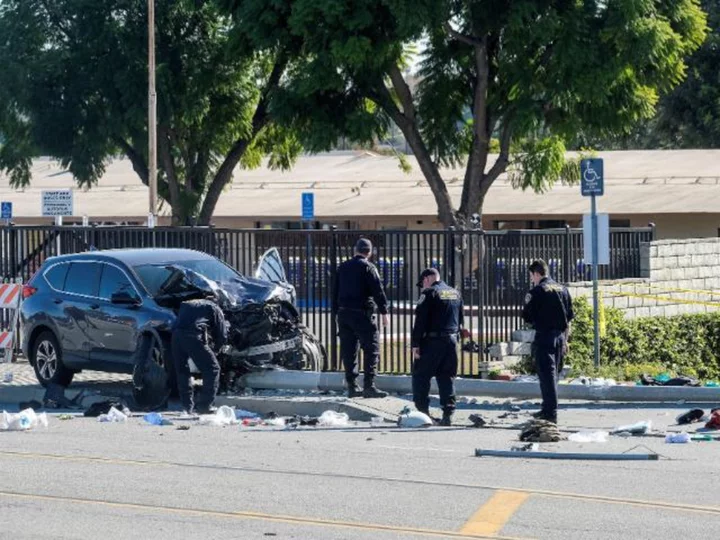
x=494 y=514
x=680 y=507
x=295 y=520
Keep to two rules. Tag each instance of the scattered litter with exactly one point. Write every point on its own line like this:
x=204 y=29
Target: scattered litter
x=701 y=438
x=184 y=427
x=694 y=415
x=250 y=422
x=275 y=422
x=413 y=419
x=65 y=417
x=156 y=419
x=332 y=418
x=712 y=384
x=677 y=438
x=639 y=428
x=22 y=421
x=113 y=416
x=241 y=414
x=477 y=421
x=589 y=437
x=714 y=422
x=8 y=378
x=224 y=416
x=529 y=447
x=541 y=431
x=103 y=407
x=666 y=380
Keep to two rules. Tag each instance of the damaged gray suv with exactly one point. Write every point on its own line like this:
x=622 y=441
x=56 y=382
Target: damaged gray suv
x=98 y=310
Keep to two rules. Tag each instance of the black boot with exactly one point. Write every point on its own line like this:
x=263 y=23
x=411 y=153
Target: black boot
x=446 y=419
x=372 y=392
x=354 y=390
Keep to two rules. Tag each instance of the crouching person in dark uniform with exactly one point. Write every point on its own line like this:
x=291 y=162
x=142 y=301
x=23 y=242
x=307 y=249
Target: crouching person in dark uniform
x=438 y=319
x=548 y=307
x=198 y=322
x=358 y=291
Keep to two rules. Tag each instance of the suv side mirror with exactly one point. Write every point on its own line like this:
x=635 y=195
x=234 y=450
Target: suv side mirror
x=124 y=298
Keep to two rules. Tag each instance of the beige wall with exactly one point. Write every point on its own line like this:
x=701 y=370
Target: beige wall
x=680 y=276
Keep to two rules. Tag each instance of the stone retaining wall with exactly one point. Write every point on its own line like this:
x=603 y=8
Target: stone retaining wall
x=679 y=276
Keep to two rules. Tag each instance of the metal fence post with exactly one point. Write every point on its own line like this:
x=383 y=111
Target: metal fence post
x=450 y=257
x=567 y=268
x=12 y=241
x=331 y=288
x=652 y=231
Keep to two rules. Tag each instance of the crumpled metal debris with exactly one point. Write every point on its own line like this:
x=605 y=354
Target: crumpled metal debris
x=541 y=431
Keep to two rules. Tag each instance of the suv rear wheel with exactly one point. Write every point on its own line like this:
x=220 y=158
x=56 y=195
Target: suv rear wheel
x=47 y=361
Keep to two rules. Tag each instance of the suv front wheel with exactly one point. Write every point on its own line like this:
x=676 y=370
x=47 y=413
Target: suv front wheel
x=47 y=361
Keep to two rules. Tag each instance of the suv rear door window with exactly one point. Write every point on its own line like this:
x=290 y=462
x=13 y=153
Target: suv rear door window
x=114 y=280
x=83 y=278
x=56 y=276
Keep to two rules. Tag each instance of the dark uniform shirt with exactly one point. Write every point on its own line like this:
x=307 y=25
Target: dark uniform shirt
x=202 y=317
x=438 y=313
x=358 y=287
x=548 y=307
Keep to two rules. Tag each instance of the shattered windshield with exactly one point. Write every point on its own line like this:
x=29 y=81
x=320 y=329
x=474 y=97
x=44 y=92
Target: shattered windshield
x=154 y=277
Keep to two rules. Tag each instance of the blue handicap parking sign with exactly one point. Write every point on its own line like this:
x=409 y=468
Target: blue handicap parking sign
x=6 y=210
x=591 y=177
x=308 y=206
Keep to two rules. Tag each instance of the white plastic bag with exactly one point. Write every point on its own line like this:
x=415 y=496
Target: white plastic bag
x=589 y=436
x=113 y=416
x=639 y=428
x=224 y=416
x=332 y=418
x=22 y=421
x=677 y=438
x=413 y=419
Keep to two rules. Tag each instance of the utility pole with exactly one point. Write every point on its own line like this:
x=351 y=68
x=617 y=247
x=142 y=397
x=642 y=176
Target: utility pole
x=152 y=116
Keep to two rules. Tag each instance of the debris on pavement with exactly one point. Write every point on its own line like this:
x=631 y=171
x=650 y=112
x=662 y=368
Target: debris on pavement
x=184 y=427
x=589 y=437
x=65 y=416
x=334 y=419
x=114 y=416
x=103 y=407
x=594 y=381
x=694 y=415
x=639 y=428
x=241 y=414
x=156 y=419
x=529 y=447
x=677 y=438
x=480 y=452
x=413 y=419
x=714 y=422
x=666 y=380
x=23 y=421
x=224 y=416
x=55 y=398
x=477 y=420
x=541 y=431
x=8 y=377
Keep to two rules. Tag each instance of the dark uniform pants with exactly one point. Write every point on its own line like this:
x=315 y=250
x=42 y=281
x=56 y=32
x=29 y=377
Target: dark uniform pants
x=548 y=353
x=190 y=345
x=358 y=329
x=438 y=358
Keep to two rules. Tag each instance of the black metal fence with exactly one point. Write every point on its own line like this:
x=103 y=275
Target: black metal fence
x=488 y=267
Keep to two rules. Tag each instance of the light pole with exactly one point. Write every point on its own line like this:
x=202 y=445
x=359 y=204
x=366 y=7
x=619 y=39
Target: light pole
x=152 y=116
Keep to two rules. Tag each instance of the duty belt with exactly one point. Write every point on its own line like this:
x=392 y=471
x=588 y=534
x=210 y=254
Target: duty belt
x=440 y=334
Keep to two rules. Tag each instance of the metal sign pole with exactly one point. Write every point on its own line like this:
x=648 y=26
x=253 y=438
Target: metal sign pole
x=596 y=325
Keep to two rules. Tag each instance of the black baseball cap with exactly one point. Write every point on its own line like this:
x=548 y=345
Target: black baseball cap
x=428 y=272
x=363 y=246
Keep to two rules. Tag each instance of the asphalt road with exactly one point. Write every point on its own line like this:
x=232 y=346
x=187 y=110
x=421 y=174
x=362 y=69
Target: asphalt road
x=83 y=479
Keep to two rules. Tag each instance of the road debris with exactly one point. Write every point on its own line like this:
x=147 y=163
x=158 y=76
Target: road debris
x=589 y=437
x=477 y=420
x=334 y=419
x=541 y=431
x=23 y=421
x=224 y=416
x=694 y=415
x=114 y=416
x=413 y=419
x=677 y=438
x=639 y=428
x=157 y=419
x=479 y=452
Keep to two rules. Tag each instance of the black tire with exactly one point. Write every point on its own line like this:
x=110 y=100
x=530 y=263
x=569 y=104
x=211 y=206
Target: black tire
x=313 y=351
x=46 y=358
x=151 y=382
x=163 y=357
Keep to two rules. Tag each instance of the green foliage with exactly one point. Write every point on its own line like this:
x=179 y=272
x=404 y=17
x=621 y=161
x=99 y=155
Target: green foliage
x=74 y=86
x=684 y=345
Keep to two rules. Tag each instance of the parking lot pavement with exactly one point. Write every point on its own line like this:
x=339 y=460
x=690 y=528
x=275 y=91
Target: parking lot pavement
x=79 y=476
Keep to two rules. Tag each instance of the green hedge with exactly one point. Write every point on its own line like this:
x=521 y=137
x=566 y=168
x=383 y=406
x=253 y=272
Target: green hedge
x=680 y=345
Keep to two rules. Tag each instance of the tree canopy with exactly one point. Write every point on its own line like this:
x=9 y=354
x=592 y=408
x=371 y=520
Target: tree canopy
x=74 y=87
x=530 y=73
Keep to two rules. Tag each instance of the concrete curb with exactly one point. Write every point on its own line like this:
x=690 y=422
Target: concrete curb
x=311 y=381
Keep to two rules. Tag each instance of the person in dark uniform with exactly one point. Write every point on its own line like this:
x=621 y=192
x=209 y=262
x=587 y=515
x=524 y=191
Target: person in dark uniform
x=438 y=320
x=548 y=307
x=198 y=329
x=358 y=292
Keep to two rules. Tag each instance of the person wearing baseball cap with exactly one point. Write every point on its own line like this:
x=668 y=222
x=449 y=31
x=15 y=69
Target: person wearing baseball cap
x=358 y=292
